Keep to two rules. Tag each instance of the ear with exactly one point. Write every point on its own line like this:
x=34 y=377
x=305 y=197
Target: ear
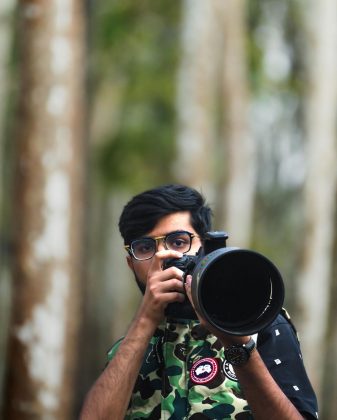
x=129 y=262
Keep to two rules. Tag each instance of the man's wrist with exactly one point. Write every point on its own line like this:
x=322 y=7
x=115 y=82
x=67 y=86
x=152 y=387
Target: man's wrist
x=239 y=354
x=142 y=326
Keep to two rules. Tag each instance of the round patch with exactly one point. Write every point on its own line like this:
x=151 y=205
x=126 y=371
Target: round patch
x=229 y=371
x=204 y=370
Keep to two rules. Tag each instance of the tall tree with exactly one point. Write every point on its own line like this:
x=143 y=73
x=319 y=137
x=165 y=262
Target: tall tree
x=7 y=8
x=48 y=210
x=329 y=387
x=213 y=98
x=321 y=182
x=6 y=11
x=196 y=94
x=238 y=160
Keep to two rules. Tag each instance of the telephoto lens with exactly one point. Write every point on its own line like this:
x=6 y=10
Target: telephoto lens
x=238 y=291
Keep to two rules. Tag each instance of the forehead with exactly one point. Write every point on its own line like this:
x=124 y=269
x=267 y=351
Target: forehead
x=172 y=222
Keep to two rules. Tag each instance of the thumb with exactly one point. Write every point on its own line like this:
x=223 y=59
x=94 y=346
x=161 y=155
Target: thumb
x=188 y=283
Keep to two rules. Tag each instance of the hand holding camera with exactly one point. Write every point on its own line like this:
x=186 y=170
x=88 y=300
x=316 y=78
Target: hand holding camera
x=237 y=291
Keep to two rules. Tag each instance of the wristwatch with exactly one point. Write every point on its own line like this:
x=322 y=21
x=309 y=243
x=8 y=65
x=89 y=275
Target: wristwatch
x=239 y=354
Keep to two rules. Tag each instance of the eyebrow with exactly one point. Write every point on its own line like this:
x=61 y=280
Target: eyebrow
x=169 y=233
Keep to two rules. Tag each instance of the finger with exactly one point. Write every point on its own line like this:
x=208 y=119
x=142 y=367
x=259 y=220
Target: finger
x=177 y=297
x=188 y=291
x=171 y=273
x=172 y=285
x=158 y=289
x=167 y=292
x=163 y=276
x=188 y=288
x=173 y=297
x=160 y=256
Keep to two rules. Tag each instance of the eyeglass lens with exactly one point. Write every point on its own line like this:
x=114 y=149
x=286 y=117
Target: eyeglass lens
x=176 y=241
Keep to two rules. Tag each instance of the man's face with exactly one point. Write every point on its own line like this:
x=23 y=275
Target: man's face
x=172 y=222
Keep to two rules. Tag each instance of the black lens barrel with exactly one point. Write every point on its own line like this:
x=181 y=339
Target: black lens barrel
x=238 y=291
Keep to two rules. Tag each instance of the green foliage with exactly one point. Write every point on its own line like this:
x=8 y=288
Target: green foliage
x=135 y=50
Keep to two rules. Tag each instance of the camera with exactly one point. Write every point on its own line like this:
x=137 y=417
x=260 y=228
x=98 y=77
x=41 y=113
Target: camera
x=238 y=291
x=182 y=310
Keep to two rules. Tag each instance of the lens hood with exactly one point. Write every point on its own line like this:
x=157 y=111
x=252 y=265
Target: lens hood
x=238 y=291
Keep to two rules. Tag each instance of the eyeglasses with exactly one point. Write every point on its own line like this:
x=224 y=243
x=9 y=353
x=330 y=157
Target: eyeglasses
x=145 y=248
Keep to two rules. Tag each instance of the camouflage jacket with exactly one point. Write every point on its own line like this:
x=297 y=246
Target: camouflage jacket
x=185 y=376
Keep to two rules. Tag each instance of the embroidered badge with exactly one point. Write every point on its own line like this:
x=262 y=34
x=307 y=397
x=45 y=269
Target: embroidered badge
x=229 y=371
x=204 y=370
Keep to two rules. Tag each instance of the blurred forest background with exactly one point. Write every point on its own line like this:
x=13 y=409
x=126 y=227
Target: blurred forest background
x=102 y=99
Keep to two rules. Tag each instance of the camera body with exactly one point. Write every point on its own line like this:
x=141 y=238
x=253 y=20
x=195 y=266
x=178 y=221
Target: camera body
x=186 y=263
x=238 y=291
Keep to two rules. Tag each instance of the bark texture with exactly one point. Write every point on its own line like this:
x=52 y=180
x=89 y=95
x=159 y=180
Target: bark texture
x=196 y=94
x=48 y=210
x=238 y=177
x=321 y=183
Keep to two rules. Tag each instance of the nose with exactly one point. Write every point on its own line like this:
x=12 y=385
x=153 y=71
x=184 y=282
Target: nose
x=160 y=244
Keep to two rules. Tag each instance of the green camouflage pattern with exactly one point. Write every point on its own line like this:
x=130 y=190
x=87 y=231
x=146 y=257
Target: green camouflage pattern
x=164 y=389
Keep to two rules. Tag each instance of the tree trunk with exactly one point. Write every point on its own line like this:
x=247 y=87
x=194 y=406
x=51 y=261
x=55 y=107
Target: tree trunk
x=329 y=385
x=48 y=211
x=196 y=95
x=6 y=32
x=320 y=188
x=238 y=177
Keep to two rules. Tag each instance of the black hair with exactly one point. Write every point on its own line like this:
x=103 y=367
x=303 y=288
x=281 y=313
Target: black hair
x=141 y=214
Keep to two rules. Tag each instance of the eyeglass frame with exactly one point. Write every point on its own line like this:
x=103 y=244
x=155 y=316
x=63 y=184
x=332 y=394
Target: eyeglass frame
x=129 y=249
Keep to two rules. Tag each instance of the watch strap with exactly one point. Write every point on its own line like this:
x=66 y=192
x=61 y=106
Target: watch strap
x=239 y=354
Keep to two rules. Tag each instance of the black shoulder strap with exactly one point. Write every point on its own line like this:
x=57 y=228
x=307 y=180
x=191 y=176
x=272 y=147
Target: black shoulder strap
x=286 y=315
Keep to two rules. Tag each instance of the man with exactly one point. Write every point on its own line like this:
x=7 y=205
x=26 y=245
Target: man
x=172 y=368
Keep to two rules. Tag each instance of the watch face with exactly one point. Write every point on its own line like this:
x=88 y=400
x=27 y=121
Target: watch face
x=237 y=355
